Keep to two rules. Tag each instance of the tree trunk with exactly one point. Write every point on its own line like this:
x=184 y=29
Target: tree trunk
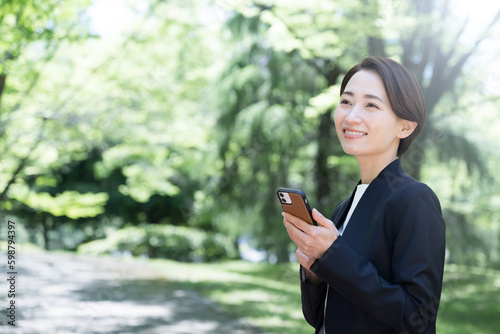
x=3 y=77
x=6 y=57
x=412 y=160
x=282 y=254
x=45 y=233
x=324 y=144
x=376 y=47
x=326 y=136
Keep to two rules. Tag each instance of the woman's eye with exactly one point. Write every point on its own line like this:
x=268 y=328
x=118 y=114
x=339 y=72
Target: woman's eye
x=344 y=102
x=371 y=105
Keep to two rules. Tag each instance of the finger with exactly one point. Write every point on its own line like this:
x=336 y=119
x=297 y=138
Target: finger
x=299 y=223
x=291 y=228
x=296 y=234
x=322 y=220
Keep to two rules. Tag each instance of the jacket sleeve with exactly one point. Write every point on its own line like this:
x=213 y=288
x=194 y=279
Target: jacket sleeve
x=409 y=301
x=313 y=296
x=313 y=300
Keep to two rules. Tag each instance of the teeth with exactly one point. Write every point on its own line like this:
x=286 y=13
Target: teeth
x=355 y=133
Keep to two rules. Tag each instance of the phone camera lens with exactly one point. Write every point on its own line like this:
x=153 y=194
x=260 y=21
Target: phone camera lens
x=283 y=200
x=282 y=195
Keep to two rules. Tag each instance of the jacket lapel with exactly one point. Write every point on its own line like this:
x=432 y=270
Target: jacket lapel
x=339 y=215
x=370 y=203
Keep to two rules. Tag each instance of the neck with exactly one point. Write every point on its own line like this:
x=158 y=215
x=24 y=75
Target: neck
x=370 y=168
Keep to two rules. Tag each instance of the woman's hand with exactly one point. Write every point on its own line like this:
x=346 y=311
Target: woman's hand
x=312 y=241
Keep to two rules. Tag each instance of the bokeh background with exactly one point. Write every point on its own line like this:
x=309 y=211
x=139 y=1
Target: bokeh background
x=159 y=131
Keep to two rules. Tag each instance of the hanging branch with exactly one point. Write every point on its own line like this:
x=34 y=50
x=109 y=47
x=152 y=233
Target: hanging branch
x=23 y=162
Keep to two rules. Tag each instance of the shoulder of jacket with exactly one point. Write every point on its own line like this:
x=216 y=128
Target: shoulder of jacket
x=414 y=194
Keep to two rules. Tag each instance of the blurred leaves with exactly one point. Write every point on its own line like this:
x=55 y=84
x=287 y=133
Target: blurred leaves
x=195 y=112
x=178 y=243
x=71 y=204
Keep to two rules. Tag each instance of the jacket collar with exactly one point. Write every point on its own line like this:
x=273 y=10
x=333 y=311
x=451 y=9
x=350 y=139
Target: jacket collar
x=390 y=175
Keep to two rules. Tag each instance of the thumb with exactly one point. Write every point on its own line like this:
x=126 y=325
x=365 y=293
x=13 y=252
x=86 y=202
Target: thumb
x=321 y=220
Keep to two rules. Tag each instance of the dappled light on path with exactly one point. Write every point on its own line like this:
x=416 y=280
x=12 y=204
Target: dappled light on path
x=61 y=293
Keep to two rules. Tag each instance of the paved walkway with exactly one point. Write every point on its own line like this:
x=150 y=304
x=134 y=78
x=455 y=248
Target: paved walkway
x=61 y=293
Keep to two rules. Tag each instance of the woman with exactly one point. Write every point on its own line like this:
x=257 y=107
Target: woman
x=377 y=265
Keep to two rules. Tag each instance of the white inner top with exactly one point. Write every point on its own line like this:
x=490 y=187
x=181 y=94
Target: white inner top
x=360 y=190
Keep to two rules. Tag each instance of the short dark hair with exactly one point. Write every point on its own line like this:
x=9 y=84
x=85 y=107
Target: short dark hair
x=403 y=92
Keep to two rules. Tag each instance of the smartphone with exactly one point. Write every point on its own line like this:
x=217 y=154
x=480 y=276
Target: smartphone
x=295 y=202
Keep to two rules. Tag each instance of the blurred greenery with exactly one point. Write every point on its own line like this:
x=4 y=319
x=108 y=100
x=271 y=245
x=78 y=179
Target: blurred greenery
x=192 y=113
x=164 y=128
x=165 y=241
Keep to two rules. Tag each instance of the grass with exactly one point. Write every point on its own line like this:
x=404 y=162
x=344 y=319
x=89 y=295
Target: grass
x=268 y=296
x=470 y=301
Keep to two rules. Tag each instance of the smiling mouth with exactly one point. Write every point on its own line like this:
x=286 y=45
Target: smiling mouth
x=354 y=133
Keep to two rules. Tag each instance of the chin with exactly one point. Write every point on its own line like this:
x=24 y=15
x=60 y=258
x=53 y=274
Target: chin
x=351 y=150
x=356 y=153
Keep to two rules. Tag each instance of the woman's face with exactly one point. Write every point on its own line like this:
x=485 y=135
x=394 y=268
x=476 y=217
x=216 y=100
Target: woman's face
x=364 y=120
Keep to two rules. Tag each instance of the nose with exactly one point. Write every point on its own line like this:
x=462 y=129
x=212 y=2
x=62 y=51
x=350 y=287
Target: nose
x=354 y=115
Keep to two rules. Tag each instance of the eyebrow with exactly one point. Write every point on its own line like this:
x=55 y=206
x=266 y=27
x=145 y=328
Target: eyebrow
x=369 y=96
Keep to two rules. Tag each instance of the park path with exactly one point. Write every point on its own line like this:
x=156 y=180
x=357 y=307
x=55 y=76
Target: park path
x=64 y=293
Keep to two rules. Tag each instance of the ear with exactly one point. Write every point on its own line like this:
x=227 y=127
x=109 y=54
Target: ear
x=407 y=128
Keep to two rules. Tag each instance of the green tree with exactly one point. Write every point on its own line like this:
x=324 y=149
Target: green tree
x=269 y=134
x=31 y=32
x=282 y=81
x=116 y=118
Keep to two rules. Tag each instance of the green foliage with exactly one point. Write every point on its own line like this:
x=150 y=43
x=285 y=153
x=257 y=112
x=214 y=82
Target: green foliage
x=163 y=241
x=84 y=127
x=70 y=203
x=195 y=112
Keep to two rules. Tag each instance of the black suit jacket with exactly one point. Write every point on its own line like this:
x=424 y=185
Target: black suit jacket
x=385 y=272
